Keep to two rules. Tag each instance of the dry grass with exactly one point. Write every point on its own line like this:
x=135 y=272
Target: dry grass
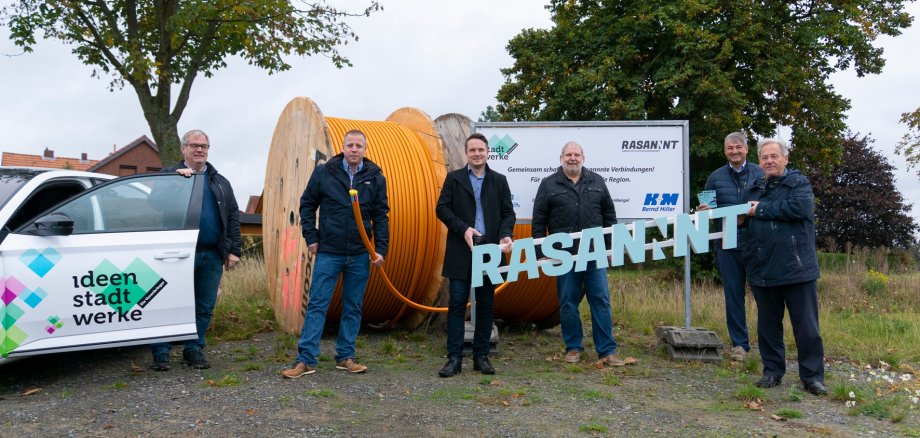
x=243 y=306
x=855 y=325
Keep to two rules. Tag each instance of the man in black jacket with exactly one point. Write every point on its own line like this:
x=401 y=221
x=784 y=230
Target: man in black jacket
x=475 y=205
x=568 y=201
x=218 y=247
x=338 y=248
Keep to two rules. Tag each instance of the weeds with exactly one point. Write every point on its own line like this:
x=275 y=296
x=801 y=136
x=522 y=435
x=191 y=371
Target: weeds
x=789 y=413
x=324 y=393
x=243 y=306
x=749 y=392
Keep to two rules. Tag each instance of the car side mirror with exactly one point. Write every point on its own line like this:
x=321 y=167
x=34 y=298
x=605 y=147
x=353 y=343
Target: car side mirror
x=54 y=224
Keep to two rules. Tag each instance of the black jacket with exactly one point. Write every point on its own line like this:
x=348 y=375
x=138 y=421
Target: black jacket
x=732 y=189
x=559 y=208
x=457 y=209
x=327 y=191
x=781 y=235
x=230 y=242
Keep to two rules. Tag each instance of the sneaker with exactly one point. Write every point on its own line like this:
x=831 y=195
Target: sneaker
x=160 y=362
x=195 y=359
x=351 y=366
x=614 y=360
x=300 y=369
x=573 y=356
x=737 y=354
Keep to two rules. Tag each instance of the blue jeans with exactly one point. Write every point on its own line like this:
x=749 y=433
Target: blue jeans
x=208 y=269
x=355 y=270
x=731 y=268
x=456 y=314
x=572 y=287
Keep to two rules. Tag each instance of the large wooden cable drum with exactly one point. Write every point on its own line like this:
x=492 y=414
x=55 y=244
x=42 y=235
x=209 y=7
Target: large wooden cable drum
x=300 y=141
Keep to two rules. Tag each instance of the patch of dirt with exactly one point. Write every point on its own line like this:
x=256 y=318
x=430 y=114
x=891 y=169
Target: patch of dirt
x=535 y=393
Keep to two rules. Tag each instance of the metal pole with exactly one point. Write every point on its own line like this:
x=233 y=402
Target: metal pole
x=687 y=291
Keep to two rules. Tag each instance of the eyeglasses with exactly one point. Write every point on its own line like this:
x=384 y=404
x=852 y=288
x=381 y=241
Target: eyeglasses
x=198 y=146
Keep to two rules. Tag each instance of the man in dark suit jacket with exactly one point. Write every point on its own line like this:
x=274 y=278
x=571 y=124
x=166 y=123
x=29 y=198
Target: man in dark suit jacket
x=475 y=205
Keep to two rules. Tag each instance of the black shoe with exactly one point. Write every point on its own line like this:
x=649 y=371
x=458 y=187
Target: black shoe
x=452 y=367
x=817 y=387
x=195 y=359
x=768 y=381
x=481 y=364
x=160 y=362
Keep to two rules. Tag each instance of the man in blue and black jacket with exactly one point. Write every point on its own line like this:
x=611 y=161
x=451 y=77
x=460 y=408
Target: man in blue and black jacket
x=731 y=183
x=338 y=248
x=218 y=246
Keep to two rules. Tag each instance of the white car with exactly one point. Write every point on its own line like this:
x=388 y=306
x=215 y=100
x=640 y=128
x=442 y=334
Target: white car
x=89 y=261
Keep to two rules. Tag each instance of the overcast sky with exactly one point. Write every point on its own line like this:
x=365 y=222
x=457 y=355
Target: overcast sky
x=440 y=57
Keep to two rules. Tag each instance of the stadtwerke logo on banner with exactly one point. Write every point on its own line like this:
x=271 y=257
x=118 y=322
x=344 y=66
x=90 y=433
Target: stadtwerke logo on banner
x=501 y=147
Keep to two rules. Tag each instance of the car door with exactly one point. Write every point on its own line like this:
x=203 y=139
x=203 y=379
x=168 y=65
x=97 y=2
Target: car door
x=112 y=266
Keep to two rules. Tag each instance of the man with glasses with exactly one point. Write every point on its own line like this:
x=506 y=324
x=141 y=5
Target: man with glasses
x=218 y=247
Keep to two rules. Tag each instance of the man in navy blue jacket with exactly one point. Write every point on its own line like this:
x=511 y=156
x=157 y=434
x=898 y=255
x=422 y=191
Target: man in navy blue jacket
x=731 y=182
x=338 y=248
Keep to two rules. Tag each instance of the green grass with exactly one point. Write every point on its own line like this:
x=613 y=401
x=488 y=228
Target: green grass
x=593 y=428
x=612 y=380
x=794 y=395
x=224 y=381
x=749 y=392
x=324 y=393
x=592 y=395
x=789 y=413
x=118 y=386
x=243 y=306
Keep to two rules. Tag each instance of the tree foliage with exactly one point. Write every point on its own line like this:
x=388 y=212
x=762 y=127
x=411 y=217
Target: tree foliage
x=858 y=204
x=909 y=146
x=154 y=45
x=724 y=65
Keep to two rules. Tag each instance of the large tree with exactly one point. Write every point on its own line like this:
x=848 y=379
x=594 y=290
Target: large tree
x=724 y=65
x=857 y=202
x=156 y=45
x=909 y=146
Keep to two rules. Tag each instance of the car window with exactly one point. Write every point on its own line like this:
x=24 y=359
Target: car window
x=146 y=203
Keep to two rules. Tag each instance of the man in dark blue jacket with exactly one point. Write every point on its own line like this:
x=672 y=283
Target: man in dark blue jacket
x=731 y=182
x=339 y=250
x=218 y=246
x=782 y=266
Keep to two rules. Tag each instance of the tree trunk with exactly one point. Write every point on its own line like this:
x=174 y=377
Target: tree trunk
x=162 y=125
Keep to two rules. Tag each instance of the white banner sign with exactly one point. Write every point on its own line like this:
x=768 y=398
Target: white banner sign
x=644 y=164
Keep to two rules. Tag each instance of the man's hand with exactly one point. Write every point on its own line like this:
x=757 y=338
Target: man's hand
x=232 y=260
x=753 y=210
x=313 y=248
x=702 y=207
x=186 y=172
x=468 y=236
x=507 y=242
x=378 y=261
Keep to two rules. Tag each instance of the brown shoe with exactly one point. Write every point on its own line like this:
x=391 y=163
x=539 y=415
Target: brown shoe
x=300 y=369
x=614 y=360
x=573 y=356
x=351 y=366
x=737 y=354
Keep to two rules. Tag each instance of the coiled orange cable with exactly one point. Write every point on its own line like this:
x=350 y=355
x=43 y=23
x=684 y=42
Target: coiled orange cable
x=356 y=209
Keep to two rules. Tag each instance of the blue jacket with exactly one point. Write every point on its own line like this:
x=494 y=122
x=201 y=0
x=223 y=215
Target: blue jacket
x=732 y=189
x=780 y=248
x=327 y=191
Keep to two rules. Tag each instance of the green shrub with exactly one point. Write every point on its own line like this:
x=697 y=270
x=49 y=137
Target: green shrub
x=874 y=282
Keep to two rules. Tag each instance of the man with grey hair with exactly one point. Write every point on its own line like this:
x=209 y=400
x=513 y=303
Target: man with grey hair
x=218 y=247
x=730 y=183
x=782 y=266
x=570 y=200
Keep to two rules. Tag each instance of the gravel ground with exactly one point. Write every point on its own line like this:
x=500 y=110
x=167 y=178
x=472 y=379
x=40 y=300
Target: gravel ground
x=113 y=393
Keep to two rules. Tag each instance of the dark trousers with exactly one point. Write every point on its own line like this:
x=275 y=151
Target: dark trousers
x=731 y=268
x=456 y=314
x=801 y=300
